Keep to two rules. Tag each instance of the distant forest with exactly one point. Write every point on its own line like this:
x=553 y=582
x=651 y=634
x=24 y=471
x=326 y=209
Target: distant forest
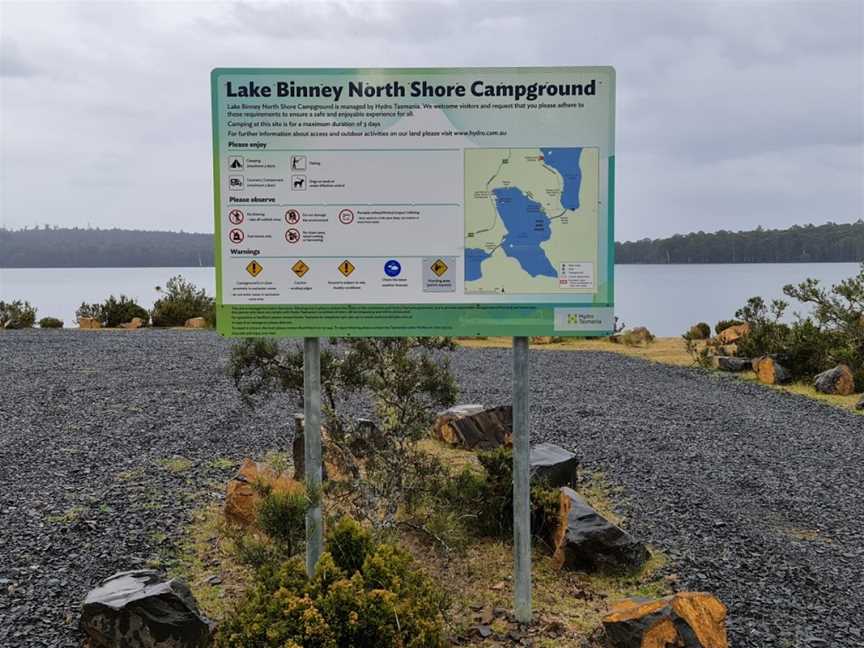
x=55 y=247
x=808 y=243
x=50 y=247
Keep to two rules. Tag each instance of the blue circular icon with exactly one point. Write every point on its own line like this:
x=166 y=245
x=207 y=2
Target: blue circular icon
x=392 y=268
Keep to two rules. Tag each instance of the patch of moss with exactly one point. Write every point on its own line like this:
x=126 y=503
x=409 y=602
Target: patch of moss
x=222 y=463
x=176 y=464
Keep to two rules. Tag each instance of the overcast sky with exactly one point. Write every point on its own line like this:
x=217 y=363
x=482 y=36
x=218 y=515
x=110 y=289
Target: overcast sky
x=730 y=115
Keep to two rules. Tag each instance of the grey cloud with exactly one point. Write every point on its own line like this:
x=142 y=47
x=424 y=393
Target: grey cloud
x=729 y=115
x=12 y=61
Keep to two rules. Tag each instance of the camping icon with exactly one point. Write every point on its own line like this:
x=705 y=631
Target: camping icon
x=236 y=162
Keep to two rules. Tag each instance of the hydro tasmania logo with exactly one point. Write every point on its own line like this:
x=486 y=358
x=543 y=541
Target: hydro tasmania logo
x=584 y=319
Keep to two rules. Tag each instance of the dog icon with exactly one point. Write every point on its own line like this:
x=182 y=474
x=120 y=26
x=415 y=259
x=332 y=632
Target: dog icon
x=298 y=183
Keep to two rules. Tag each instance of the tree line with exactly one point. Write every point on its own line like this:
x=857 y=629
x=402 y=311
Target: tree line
x=56 y=247
x=808 y=243
x=75 y=247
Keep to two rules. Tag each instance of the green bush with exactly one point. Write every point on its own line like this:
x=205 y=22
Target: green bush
x=722 y=325
x=384 y=601
x=700 y=331
x=282 y=516
x=484 y=502
x=50 y=322
x=182 y=300
x=349 y=544
x=113 y=312
x=832 y=334
x=16 y=314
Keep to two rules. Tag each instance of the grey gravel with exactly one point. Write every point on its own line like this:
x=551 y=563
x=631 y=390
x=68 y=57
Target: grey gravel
x=754 y=494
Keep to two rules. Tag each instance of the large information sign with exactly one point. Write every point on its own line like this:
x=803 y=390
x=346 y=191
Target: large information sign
x=396 y=202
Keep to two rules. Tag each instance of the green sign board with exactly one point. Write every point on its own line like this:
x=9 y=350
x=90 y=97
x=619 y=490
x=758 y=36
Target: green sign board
x=397 y=202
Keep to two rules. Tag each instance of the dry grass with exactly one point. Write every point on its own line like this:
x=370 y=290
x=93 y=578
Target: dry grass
x=669 y=350
x=844 y=402
x=482 y=576
x=665 y=350
x=206 y=552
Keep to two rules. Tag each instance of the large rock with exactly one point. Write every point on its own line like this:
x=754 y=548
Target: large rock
x=134 y=323
x=733 y=333
x=89 y=323
x=243 y=492
x=685 y=620
x=770 y=372
x=553 y=465
x=196 y=322
x=838 y=380
x=733 y=364
x=474 y=428
x=137 y=609
x=637 y=335
x=585 y=540
x=440 y=429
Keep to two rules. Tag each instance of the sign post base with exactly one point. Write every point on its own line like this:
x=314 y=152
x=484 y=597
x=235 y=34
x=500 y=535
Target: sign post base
x=521 y=483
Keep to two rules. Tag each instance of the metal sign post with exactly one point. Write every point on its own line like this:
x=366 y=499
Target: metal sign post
x=312 y=449
x=521 y=483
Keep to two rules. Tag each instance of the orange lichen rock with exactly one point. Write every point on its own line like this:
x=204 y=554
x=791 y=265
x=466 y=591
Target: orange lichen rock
x=733 y=333
x=89 y=323
x=770 y=372
x=686 y=620
x=243 y=492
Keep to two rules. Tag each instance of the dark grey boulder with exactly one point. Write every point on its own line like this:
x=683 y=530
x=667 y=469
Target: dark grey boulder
x=838 y=380
x=138 y=609
x=587 y=541
x=733 y=364
x=553 y=465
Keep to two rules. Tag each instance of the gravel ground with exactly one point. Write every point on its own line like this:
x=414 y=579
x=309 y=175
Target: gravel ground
x=754 y=494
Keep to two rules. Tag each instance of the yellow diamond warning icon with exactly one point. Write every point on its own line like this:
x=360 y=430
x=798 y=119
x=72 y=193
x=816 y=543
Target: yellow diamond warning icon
x=254 y=268
x=300 y=268
x=439 y=267
x=346 y=267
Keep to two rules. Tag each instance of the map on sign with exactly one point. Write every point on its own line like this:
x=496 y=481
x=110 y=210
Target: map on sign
x=531 y=220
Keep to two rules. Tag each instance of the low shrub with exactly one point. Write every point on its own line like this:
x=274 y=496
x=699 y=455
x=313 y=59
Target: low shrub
x=50 y=323
x=700 y=331
x=374 y=598
x=722 y=325
x=113 y=311
x=701 y=353
x=282 y=517
x=484 y=501
x=349 y=544
x=182 y=300
x=16 y=314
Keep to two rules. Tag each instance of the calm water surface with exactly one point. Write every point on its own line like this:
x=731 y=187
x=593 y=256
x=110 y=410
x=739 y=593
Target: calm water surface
x=665 y=298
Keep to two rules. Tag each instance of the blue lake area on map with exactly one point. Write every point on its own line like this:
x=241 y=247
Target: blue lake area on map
x=473 y=258
x=566 y=162
x=527 y=227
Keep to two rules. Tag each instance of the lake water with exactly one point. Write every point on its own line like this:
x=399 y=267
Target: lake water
x=665 y=298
